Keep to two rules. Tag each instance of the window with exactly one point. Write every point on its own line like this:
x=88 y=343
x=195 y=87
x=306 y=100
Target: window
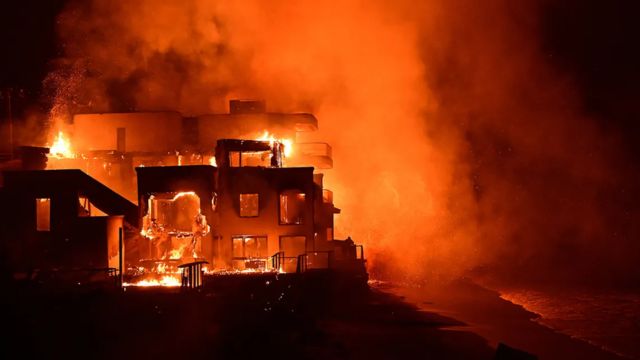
x=234 y=159
x=43 y=214
x=250 y=158
x=256 y=158
x=249 y=205
x=250 y=247
x=292 y=207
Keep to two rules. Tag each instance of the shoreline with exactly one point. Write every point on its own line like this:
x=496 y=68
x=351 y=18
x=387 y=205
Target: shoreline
x=552 y=312
x=541 y=322
x=497 y=319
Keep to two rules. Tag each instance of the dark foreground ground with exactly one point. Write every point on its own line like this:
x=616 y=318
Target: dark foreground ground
x=281 y=318
x=264 y=317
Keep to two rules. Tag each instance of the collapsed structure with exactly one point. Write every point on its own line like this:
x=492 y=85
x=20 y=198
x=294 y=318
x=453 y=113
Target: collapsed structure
x=146 y=194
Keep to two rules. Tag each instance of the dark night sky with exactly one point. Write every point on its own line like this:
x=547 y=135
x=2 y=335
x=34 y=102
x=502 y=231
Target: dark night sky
x=27 y=35
x=596 y=42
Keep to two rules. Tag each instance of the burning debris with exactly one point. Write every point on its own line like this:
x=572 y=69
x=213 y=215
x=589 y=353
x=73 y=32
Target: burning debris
x=174 y=225
x=61 y=147
x=165 y=280
x=175 y=228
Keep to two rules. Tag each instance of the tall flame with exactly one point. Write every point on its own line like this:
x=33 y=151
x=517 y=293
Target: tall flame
x=287 y=143
x=61 y=147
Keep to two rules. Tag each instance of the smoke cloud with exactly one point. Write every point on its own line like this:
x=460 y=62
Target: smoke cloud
x=458 y=149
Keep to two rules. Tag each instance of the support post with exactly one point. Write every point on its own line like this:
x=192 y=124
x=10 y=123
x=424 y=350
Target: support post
x=120 y=257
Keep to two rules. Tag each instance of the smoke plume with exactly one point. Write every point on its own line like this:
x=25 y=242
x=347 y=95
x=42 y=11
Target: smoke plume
x=458 y=149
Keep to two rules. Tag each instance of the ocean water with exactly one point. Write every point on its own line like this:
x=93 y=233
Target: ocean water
x=608 y=320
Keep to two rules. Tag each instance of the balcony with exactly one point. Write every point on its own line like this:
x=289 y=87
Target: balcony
x=318 y=155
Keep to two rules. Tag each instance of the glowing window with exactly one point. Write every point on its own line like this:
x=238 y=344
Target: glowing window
x=256 y=158
x=249 y=205
x=250 y=247
x=292 y=207
x=234 y=158
x=43 y=214
x=238 y=247
x=250 y=158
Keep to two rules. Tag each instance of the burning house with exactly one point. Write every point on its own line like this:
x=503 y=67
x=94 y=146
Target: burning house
x=153 y=196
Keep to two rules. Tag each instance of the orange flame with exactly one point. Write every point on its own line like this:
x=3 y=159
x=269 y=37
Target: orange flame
x=61 y=147
x=167 y=280
x=287 y=143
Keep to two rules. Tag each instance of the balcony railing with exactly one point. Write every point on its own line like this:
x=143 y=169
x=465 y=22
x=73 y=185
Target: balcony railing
x=319 y=155
x=314 y=149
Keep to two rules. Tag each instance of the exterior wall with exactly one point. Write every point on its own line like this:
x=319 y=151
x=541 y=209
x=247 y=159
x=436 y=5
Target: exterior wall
x=228 y=183
x=72 y=241
x=95 y=242
x=144 y=132
x=169 y=131
x=268 y=183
